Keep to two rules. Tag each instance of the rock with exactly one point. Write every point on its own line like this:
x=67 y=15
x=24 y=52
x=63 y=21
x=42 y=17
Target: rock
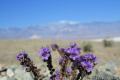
x=3 y=74
x=109 y=67
x=20 y=74
x=1 y=66
x=117 y=71
x=44 y=71
x=12 y=78
x=105 y=72
x=4 y=78
x=10 y=72
x=28 y=76
x=105 y=76
x=3 y=71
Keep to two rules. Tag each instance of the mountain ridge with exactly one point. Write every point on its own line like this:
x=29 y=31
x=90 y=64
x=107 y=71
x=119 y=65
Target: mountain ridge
x=66 y=30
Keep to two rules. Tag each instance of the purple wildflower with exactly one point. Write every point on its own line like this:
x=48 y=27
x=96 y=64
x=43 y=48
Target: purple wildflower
x=89 y=57
x=21 y=55
x=76 y=63
x=45 y=53
x=88 y=66
x=74 y=56
x=85 y=62
x=73 y=52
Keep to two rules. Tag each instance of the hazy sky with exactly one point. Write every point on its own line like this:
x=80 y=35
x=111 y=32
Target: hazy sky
x=19 y=13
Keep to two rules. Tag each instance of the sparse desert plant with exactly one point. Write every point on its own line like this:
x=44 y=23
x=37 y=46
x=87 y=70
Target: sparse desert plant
x=27 y=63
x=73 y=65
x=107 y=43
x=87 y=47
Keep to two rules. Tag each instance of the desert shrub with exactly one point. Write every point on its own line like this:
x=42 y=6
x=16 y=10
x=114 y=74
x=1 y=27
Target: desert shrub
x=107 y=43
x=87 y=47
x=73 y=65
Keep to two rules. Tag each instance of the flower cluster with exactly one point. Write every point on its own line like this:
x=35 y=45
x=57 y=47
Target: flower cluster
x=45 y=54
x=73 y=65
x=84 y=64
x=73 y=51
x=21 y=56
x=88 y=62
x=27 y=63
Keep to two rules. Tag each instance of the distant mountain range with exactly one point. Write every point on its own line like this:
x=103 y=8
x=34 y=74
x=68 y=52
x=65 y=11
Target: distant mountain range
x=63 y=29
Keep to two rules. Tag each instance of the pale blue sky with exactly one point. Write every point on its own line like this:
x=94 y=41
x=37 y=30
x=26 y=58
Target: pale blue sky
x=21 y=13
